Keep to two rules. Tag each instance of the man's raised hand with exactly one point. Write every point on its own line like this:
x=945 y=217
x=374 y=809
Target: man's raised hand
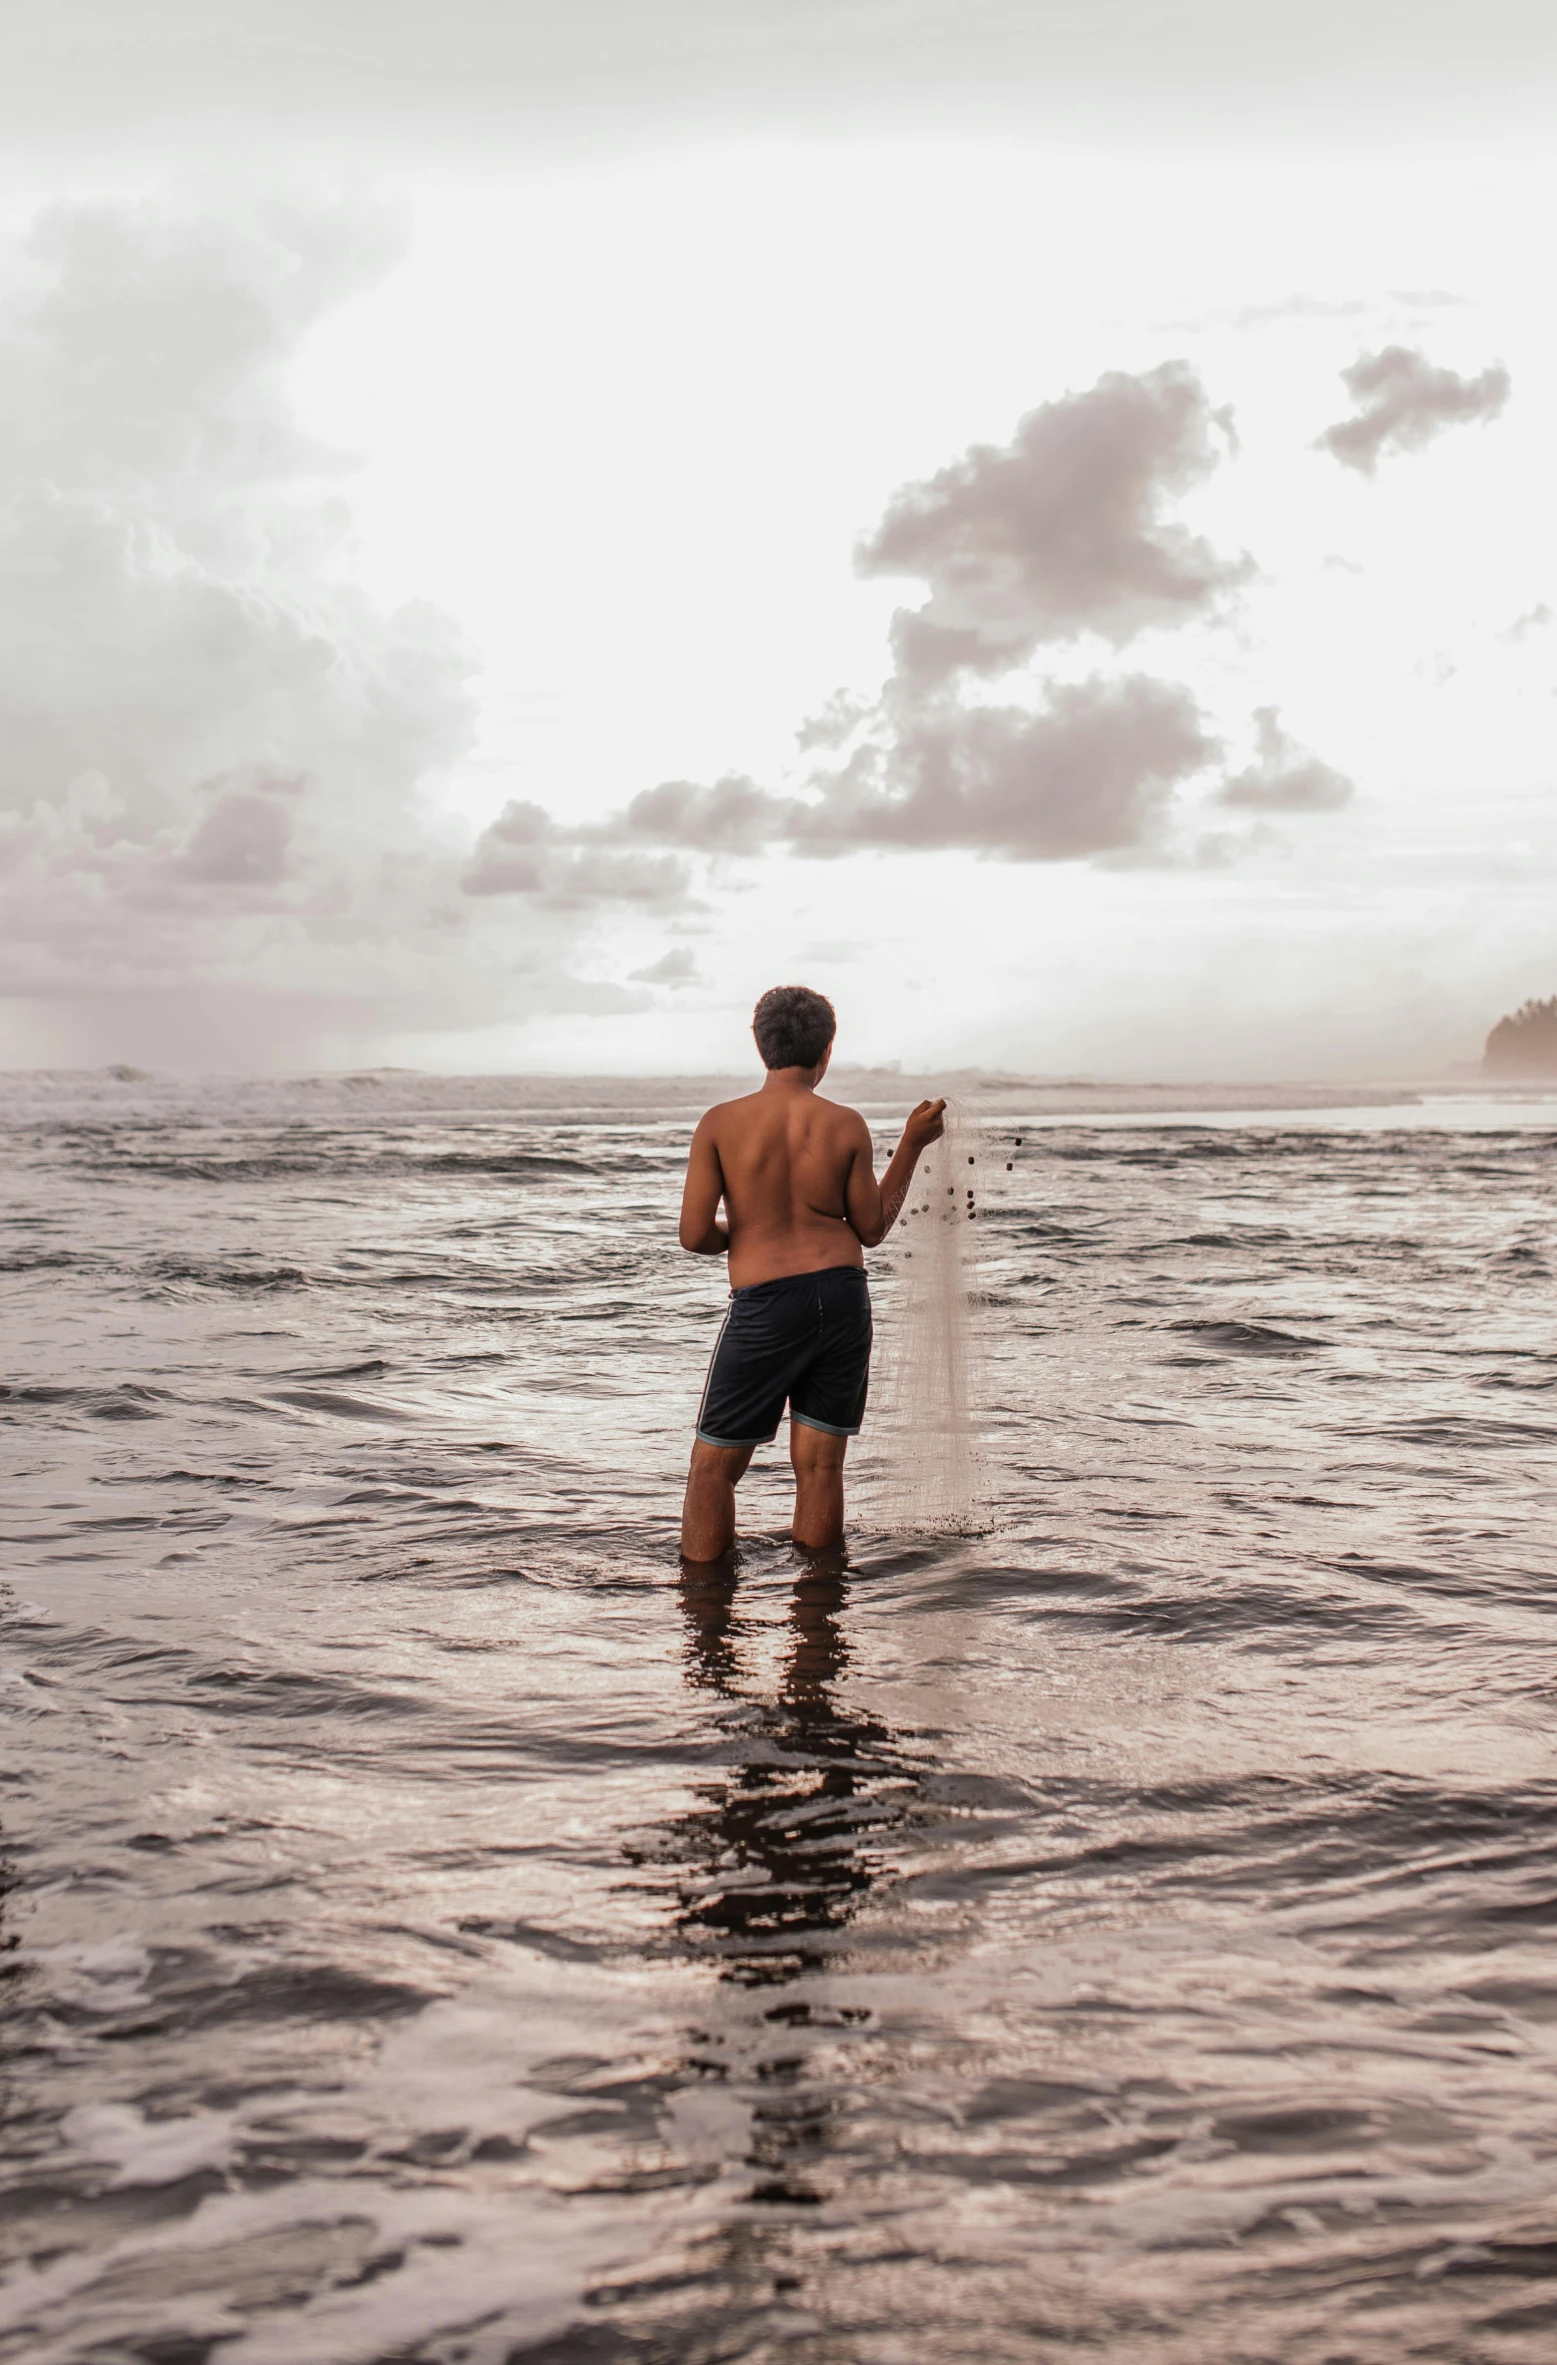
x=925 y=1124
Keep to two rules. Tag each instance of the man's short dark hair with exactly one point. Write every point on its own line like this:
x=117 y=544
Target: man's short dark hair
x=793 y=1026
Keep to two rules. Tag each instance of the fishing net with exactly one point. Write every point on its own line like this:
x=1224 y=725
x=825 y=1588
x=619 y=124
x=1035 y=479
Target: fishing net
x=925 y=1412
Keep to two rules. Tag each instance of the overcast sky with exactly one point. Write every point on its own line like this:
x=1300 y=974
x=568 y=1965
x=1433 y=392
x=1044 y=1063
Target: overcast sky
x=521 y=527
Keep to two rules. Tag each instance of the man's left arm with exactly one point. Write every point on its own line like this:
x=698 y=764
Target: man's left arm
x=873 y=1208
x=702 y=1234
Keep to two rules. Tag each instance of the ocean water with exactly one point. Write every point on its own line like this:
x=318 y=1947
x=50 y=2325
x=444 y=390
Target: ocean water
x=435 y=1930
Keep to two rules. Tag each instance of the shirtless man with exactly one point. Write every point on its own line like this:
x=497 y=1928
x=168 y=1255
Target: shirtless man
x=801 y=1204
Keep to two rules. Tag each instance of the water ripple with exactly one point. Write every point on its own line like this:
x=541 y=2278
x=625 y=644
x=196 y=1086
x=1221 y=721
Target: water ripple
x=432 y=1930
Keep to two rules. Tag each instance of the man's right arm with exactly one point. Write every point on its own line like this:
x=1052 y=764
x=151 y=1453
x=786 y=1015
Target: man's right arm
x=873 y=1208
x=702 y=1234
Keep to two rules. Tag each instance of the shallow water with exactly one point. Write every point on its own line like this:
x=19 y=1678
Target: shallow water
x=438 y=1933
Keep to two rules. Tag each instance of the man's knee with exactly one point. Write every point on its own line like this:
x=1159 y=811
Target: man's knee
x=720 y=1462
x=815 y=1449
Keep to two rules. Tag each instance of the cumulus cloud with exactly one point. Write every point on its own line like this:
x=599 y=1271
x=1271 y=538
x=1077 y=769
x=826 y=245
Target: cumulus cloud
x=677 y=967
x=211 y=740
x=1092 y=771
x=525 y=852
x=1403 y=401
x=732 y=817
x=219 y=755
x=244 y=836
x=1089 y=772
x=1284 y=777
x=215 y=748
x=1064 y=530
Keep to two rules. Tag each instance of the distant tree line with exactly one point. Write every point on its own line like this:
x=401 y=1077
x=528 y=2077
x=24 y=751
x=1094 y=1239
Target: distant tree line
x=1527 y=1042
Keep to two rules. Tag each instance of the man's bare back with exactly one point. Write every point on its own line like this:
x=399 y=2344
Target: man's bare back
x=795 y=1175
x=801 y=1203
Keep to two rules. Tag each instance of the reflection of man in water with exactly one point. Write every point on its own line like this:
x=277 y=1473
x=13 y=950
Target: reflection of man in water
x=801 y=1201
x=774 y=1859
x=783 y=1839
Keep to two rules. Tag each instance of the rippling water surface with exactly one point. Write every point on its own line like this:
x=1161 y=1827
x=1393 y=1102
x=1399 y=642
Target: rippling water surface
x=435 y=1931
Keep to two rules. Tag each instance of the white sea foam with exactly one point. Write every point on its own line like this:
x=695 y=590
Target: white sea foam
x=150 y=2151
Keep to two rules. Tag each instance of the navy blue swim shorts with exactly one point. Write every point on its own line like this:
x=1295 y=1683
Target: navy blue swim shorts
x=804 y=1340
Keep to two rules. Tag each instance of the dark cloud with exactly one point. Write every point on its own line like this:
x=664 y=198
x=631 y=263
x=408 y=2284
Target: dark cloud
x=244 y=837
x=1285 y=778
x=1403 y=401
x=1064 y=530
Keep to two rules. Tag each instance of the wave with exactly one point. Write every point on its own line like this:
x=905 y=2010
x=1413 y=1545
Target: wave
x=1146 y=1906
x=354 y=1156
x=128 y=1401
x=1246 y=1338
x=207 y=1273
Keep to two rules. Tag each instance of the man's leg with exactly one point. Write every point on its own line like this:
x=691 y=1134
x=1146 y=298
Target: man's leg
x=708 y=1514
x=816 y=1457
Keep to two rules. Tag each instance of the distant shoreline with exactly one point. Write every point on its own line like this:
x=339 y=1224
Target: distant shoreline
x=46 y=1093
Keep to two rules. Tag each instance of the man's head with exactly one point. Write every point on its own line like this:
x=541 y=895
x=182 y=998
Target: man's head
x=794 y=1027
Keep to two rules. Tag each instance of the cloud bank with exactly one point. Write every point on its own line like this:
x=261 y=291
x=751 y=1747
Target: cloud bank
x=1403 y=402
x=219 y=758
x=1090 y=772
x=447 y=75
x=210 y=739
x=215 y=749
x=1066 y=533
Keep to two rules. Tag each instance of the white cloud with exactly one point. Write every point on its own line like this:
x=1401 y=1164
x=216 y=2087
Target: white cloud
x=1403 y=402
x=1064 y=530
x=1067 y=531
x=1284 y=777
x=215 y=748
x=525 y=852
x=677 y=967
x=662 y=586
x=1088 y=772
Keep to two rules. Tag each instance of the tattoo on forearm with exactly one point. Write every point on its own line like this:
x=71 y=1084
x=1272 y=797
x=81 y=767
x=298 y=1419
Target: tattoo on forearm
x=892 y=1202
